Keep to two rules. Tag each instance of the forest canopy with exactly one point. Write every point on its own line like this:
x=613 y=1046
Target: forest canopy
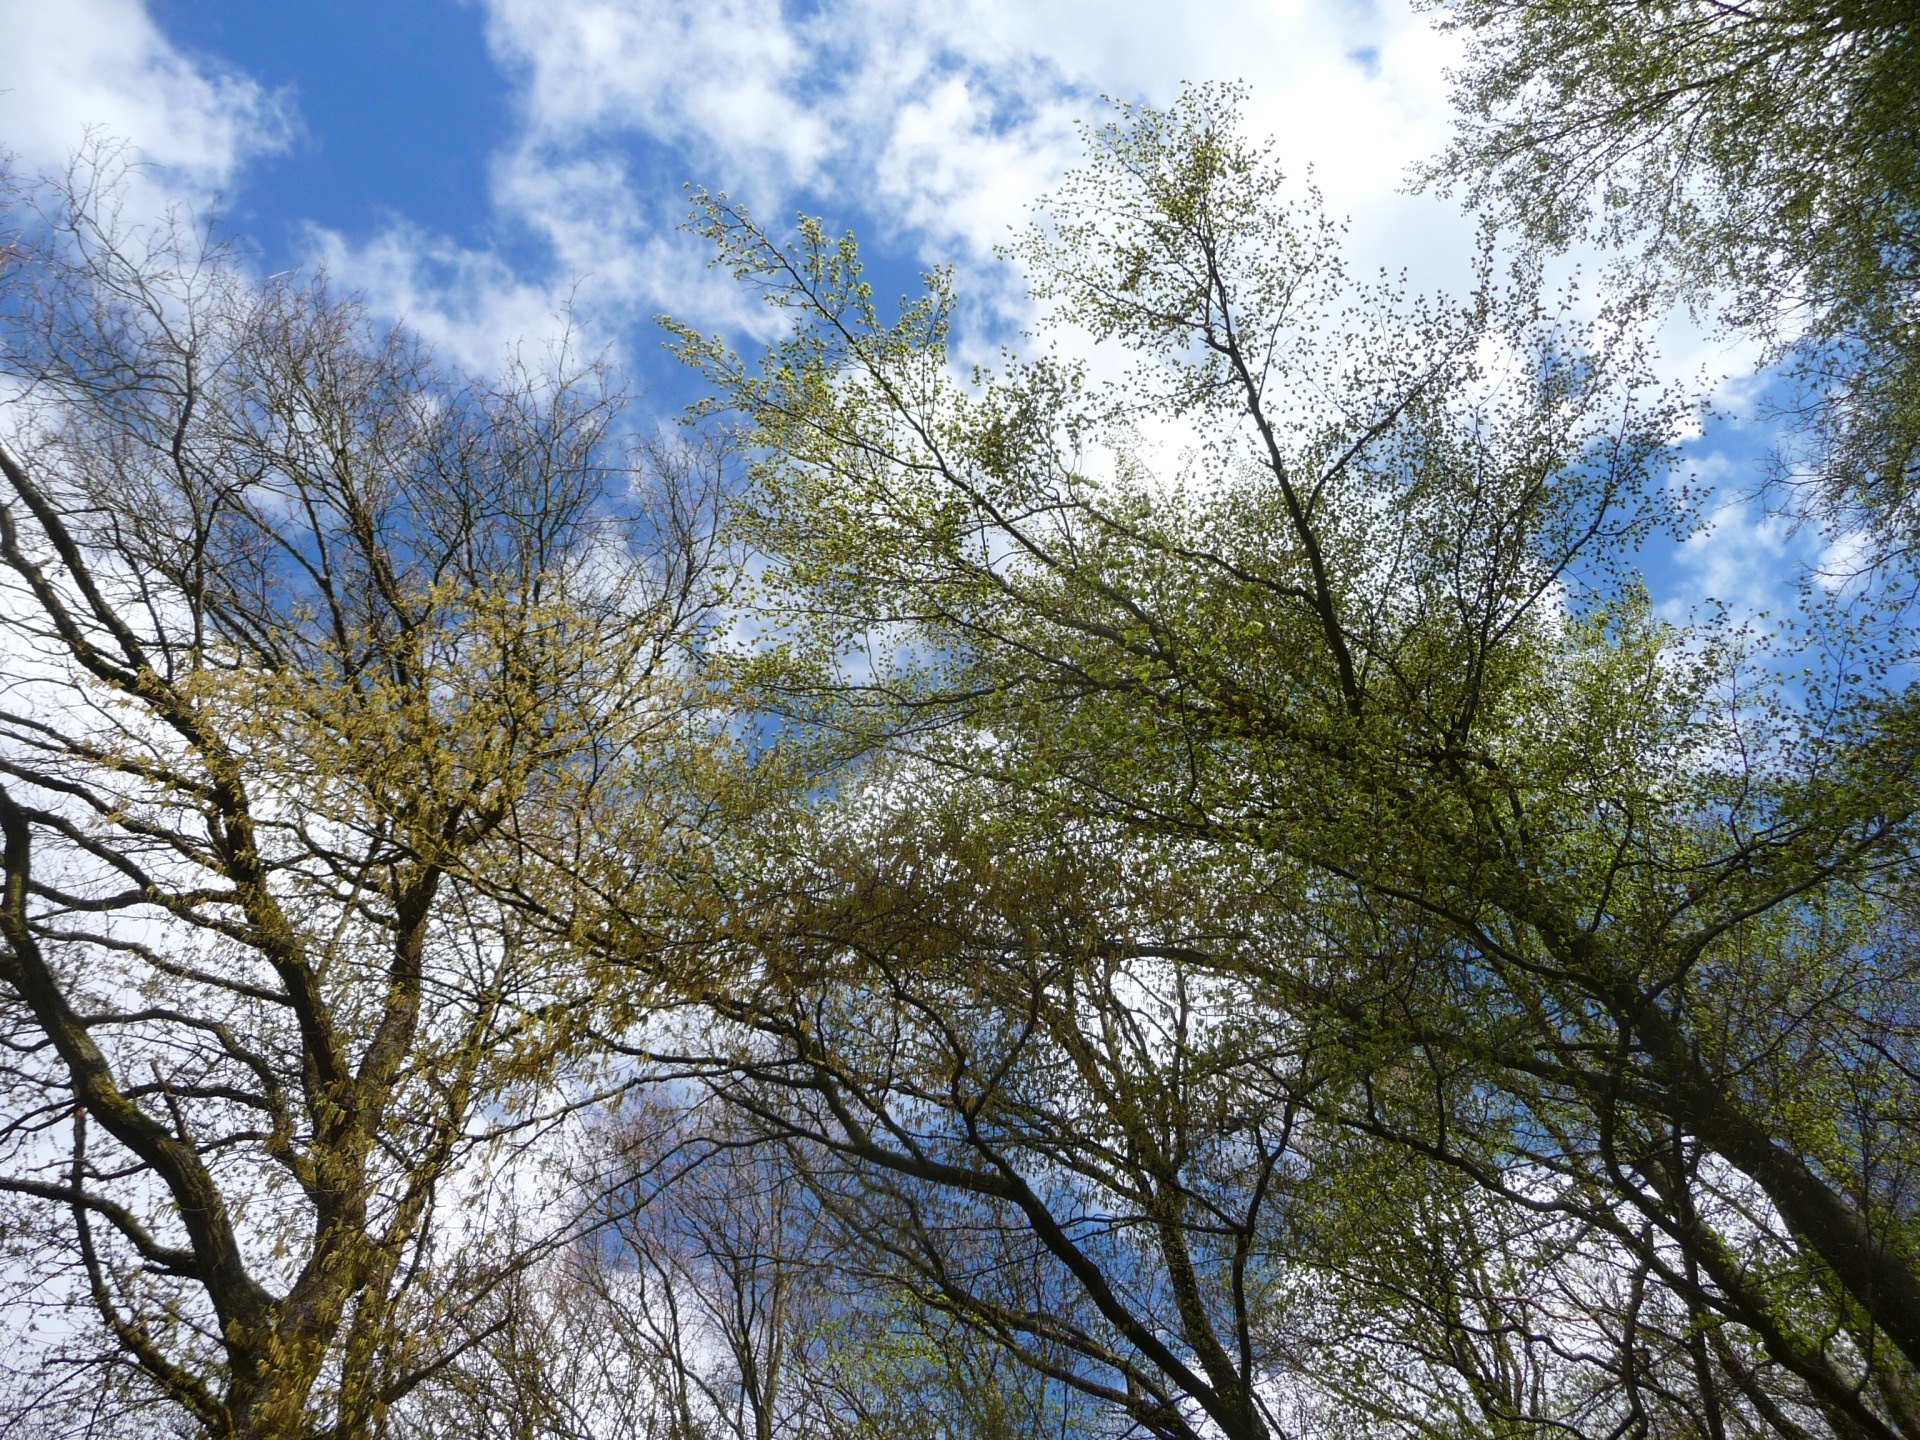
x=1208 y=902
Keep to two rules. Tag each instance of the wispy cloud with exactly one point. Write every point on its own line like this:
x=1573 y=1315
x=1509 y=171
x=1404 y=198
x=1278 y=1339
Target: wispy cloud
x=102 y=67
x=929 y=126
x=1740 y=558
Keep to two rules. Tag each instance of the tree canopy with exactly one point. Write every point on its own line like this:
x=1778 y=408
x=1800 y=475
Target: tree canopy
x=1762 y=155
x=1210 y=903
x=1330 y=796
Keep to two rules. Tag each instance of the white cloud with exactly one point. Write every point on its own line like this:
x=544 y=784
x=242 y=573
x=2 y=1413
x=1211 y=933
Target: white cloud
x=467 y=304
x=474 y=307
x=936 y=124
x=713 y=75
x=960 y=111
x=72 y=67
x=948 y=171
x=1740 y=558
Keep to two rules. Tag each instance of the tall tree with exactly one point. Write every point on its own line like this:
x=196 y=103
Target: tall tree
x=716 y=1300
x=1610 y=922
x=321 y=657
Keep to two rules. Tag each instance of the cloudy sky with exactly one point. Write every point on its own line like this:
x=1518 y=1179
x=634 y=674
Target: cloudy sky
x=479 y=166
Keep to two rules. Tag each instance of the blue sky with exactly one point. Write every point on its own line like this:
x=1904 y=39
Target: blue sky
x=477 y=167
x=396 y=110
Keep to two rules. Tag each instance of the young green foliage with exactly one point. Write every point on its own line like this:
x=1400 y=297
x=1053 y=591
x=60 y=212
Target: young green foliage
x=1762 y=154
x=1371 y=657
x=323 y=663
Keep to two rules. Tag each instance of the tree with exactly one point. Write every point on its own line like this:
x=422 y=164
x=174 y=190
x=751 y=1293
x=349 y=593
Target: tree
x=1765 y=153
x=1071 y=1146
x=1607 y=918
x=712 y=1299
x=322 y=660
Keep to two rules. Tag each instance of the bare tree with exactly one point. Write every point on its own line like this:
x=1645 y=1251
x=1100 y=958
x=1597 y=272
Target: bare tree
x=323 y=658
x=715 y=1300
